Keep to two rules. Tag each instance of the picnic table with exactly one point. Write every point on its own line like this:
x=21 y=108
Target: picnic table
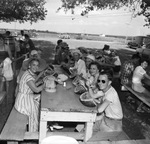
x=64 y=105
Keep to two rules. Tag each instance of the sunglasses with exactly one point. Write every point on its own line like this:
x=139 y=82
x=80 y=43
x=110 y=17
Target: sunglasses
x=103 y=81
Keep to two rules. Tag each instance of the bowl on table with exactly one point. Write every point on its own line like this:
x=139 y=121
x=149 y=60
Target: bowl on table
x=86 y=100
x=61 y=78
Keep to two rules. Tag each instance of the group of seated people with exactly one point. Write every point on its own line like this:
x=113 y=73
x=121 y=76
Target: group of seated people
x=96 y=79
x=133 y=72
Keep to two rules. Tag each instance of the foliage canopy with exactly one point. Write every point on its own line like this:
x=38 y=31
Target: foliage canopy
x=138 y=7
x=22 y=10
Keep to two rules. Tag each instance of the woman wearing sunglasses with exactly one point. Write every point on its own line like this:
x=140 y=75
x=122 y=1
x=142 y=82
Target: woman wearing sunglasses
x=109 y=116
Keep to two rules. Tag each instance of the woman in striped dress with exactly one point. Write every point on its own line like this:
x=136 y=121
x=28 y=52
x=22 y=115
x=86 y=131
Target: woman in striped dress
x=26 y=101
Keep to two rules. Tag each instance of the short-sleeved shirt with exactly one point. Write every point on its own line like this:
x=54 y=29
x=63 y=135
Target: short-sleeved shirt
x=114 y=109
x=138 y=75
x=81 y=67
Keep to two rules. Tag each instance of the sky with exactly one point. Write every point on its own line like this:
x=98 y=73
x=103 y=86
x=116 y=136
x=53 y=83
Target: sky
x=107 y=22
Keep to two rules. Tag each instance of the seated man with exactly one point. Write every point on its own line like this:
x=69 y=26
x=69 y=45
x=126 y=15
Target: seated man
x=109 y=116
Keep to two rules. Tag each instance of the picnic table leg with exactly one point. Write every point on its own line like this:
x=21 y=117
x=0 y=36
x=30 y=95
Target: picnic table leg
x=88 y=131
x=43 y=130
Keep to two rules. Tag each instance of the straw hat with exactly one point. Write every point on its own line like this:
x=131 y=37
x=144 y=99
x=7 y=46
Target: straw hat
x=42 y=64
x=76 y=51
x=92 y=57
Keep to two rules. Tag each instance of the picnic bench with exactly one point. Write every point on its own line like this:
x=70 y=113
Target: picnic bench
x=14 y=128
x=141 y=96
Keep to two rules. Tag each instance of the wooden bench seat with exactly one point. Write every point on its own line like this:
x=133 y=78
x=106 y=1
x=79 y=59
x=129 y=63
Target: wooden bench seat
x=109 y=136
x=141 y=96
x=15 y=127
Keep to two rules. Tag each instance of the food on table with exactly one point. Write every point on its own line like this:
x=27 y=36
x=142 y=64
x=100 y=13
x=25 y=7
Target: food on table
x=86 y=100
x=79 y=89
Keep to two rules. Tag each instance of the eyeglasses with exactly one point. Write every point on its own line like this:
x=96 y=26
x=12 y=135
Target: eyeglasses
x=103 y=81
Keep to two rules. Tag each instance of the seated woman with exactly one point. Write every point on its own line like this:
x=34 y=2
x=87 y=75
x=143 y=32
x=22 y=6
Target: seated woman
x=88 y=59
x=93 y=74
x=91 y=82
x=27 y=102
x=138 y=74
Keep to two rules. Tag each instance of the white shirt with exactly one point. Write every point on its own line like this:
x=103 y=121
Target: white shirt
x=114 y=109
x=138 y=75
x=81 y=67
x=117 y=61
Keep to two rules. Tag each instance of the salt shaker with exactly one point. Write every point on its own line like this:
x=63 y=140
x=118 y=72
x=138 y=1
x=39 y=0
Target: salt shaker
x=64 y=84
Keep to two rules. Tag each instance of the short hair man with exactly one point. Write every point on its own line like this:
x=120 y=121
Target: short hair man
x=109 y=117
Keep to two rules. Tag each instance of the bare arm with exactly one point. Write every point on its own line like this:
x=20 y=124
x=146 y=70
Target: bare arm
x=103 y=106
x=33 y=86
x=95 y=95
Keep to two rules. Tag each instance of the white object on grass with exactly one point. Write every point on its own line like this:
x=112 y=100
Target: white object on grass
x=59 y=140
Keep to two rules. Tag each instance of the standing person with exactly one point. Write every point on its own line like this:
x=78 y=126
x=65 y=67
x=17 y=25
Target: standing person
x=29 y=44
x=57 y=49
x=7 y=71
x=22 y=42
x=109 y=116
x=116 y=61
x=9 y=44
x=27 y=102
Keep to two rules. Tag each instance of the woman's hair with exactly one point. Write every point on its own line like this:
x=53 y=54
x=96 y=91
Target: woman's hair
x=95 y=63
x=145 y=60
x=108 y=72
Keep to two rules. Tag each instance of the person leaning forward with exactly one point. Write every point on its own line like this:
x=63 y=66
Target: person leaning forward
x=109 y=116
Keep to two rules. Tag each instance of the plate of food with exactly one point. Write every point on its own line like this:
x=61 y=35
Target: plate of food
x=62 y=77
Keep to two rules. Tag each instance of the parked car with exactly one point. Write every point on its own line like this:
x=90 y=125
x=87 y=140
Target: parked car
x=64 y=36
x=133 y=45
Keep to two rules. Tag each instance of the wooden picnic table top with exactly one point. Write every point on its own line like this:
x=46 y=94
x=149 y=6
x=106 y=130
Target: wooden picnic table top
x=64 y=99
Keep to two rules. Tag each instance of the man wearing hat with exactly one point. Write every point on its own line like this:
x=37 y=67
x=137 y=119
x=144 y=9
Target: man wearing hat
x=79 y=63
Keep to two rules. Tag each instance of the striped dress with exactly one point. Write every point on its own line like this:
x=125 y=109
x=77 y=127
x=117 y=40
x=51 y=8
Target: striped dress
x=27 y=102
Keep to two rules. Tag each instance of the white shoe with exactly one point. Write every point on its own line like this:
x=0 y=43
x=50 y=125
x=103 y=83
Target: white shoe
x=51 y=128
x=57 y=126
